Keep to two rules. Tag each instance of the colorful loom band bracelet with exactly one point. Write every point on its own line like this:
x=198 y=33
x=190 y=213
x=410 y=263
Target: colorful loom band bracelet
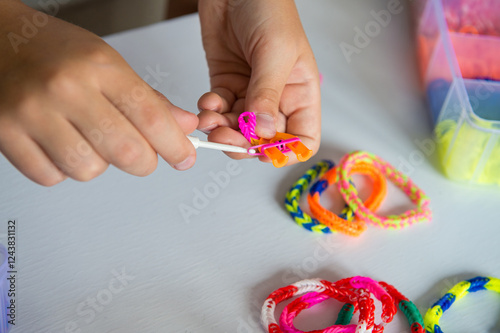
x=293 y=309
x=364 y=302
x=349 y=193
x=308 y=300
x=407 y=307
x=359 y=285
x=374 y=288
x=345 y=222
x=292 y=198
x=431 y=318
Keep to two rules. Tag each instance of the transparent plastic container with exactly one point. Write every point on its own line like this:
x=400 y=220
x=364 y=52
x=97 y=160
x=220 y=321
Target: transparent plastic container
x=458 y=44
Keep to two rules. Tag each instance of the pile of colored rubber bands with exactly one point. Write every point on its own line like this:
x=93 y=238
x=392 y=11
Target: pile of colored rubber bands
x=358 y=294
x=357 y=214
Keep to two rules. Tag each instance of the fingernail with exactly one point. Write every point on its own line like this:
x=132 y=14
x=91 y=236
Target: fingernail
x=208 y=129
x=265 y=126
x=186 y=164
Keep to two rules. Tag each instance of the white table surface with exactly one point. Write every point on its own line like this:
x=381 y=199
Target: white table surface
x=212 y=272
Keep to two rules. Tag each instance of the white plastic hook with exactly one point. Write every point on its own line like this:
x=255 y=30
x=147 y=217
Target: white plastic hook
x=218 y=146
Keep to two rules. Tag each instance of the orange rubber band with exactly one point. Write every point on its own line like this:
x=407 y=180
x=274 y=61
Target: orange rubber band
x=337 y=223
x=469 y=29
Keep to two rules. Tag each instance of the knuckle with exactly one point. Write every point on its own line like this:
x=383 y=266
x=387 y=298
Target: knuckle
x=267 y=96
x=153 y=121
x=62 y=83
x=128 y=154
x=99 y=54
x=90 y=168
x=135 y=159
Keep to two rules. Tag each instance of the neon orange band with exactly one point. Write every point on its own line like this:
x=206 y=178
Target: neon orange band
x=355 y=226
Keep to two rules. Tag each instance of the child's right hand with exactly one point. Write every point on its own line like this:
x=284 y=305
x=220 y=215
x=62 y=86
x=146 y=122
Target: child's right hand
x=70 y=105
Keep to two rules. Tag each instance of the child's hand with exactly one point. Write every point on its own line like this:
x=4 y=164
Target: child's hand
x=70 y=106
x=260 y=61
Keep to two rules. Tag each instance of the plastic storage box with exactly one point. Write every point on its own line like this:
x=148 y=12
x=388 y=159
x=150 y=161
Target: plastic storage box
x=458 y=45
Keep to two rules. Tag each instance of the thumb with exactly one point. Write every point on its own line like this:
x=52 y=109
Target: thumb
x=270 y=73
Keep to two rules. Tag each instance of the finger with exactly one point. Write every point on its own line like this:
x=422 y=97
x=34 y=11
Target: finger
x=67 y=148
x=186 y=120
x=301 y=103
x=153 y=118
x=116 y=140
x=28 y=157
x=218 y=100
x=229 y=136
x=269 y=76
x=210 y=120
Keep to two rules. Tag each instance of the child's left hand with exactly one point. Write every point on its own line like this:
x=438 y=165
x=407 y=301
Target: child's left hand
x=260 y=60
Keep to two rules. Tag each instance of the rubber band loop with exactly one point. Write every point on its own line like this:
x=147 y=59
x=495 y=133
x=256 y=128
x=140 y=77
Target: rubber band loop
x=469 y=29
x=308 y=300
x=358 y=285
x=292 y=198
x=349 y=193
x=366 y=283
x=301 y=288
x=274 y=148
x=391 y=296
x=247 y=122
x=345 y=222
x=409 y=309
x=363 y=302
x=432 y=316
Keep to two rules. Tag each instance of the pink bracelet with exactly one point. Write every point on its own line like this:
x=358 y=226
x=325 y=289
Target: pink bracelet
x=349 y=193
x=293 y=309
x=358 y=285
x=381 y=290
x=362 y=300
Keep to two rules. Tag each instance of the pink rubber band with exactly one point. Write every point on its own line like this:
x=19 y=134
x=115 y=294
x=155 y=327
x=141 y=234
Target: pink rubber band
x=350 y=195
x=309 y=300
x=247 y=126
